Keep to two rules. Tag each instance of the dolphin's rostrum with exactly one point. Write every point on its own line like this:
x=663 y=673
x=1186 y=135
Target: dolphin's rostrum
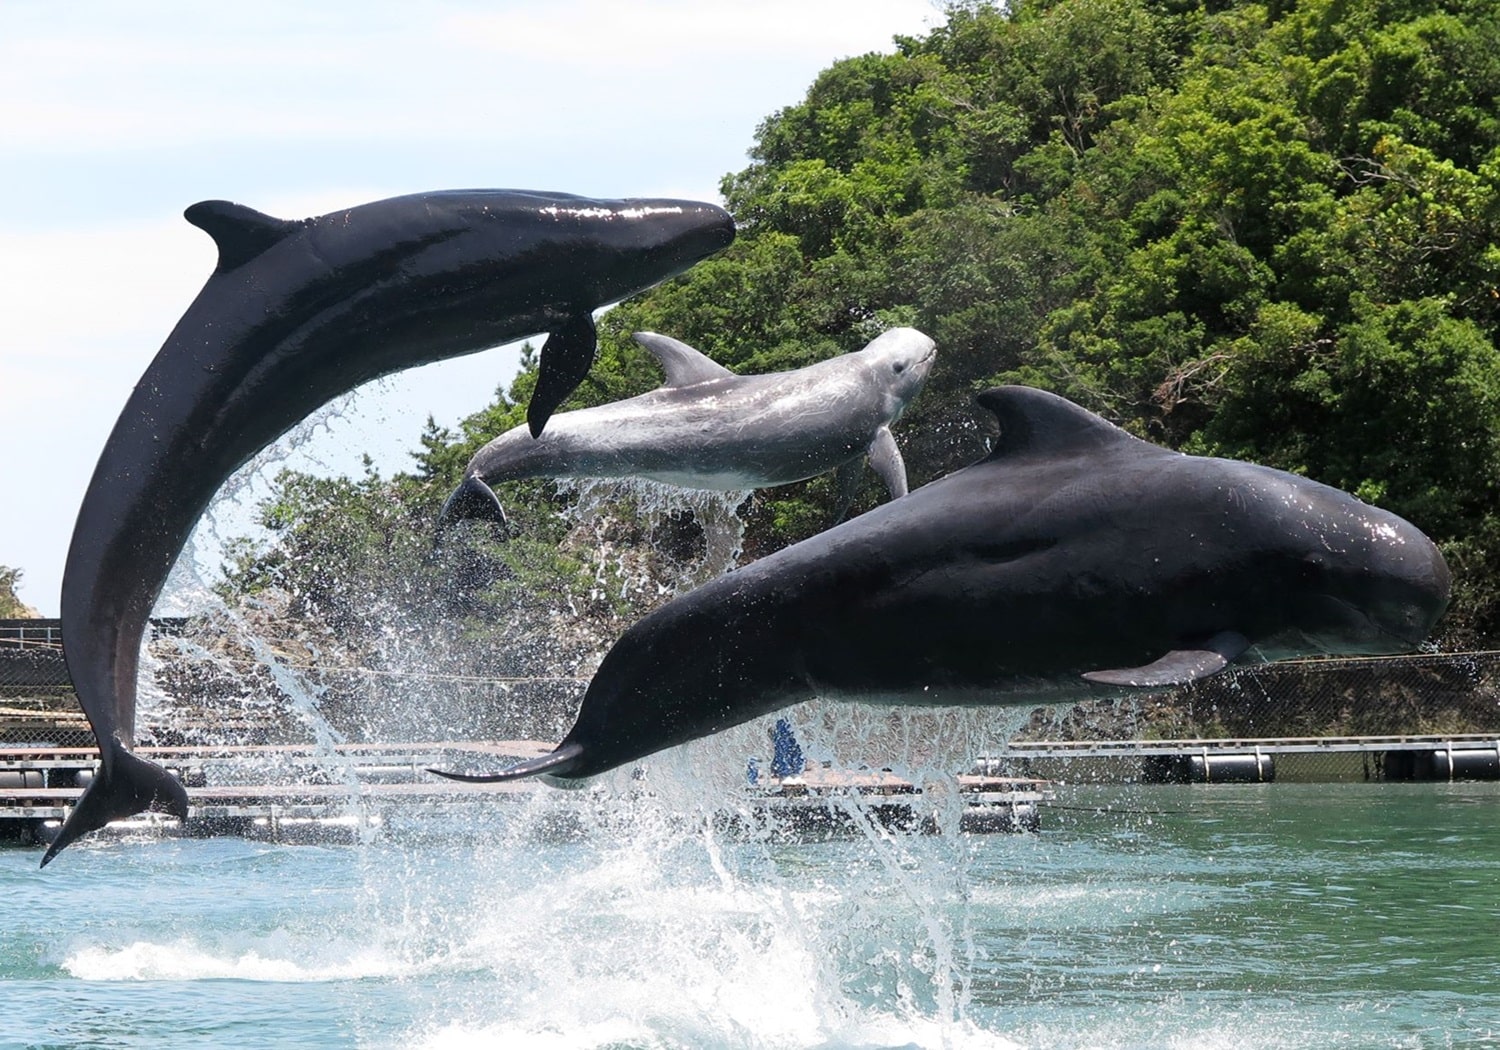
x=296 y=313
x=1075 y=560
x=708 y=428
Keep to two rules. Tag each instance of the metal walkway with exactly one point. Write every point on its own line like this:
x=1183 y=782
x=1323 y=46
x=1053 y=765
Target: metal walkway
x=1247 y=745
x=306 y=793
x=1454 y=756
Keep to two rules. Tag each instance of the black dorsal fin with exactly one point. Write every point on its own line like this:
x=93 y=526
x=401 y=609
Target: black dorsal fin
x=241 y=233
x=684 y=365
x=1033 y=421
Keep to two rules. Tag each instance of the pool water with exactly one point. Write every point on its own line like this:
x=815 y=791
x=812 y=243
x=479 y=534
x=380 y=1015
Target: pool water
x=1279 y=915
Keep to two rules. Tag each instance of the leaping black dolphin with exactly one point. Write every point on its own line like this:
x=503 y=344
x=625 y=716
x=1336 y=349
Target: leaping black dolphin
x=1075 y=560
x=708 y=428
x=296 y=313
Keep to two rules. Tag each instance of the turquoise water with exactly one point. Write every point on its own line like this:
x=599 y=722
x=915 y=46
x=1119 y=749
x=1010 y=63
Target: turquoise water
x=1188 y=917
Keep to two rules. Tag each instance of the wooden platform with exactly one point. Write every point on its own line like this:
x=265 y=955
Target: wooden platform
x=303 y=793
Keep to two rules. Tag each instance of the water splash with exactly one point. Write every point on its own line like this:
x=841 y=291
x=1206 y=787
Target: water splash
x=275 y=958
x=623 y=915
x=598 y=503
x=237 y=679
x=654 y=931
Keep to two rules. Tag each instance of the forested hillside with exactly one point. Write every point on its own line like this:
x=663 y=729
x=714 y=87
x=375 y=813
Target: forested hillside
x=1266 y=231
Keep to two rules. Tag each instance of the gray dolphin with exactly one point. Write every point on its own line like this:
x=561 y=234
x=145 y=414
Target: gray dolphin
x=708 y=428
x=1075 y=560
x=296 y=313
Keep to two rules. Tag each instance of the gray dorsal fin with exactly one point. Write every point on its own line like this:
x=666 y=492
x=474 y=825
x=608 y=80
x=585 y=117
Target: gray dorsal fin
x=1033 y=420
x=241 y=233
x=684 y=365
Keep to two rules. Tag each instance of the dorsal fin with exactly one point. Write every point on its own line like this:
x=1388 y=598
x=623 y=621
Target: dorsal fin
x=241 y=233
x=684 y=365
x=1033 y=420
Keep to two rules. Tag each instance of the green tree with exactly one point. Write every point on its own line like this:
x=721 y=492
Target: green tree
x=11 y=607
x=1262 y=230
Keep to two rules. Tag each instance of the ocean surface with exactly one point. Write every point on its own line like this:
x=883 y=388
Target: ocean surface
x=1278 y=916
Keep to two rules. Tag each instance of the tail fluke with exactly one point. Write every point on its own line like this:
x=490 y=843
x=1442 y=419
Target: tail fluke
x=471 y=501
x=558 y=763
x=122 y=787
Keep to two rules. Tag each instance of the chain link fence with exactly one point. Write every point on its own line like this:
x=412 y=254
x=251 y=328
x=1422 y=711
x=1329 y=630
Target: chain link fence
x=206 y=688
x=1426 y=694
x=37 y=704
x=283 y=693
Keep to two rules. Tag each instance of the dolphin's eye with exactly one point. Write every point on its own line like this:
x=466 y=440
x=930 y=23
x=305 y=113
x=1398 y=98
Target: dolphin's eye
x=900 y=367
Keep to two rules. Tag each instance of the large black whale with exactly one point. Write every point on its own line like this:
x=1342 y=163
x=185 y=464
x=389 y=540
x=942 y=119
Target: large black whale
x=296 y=313
x=1075 y=560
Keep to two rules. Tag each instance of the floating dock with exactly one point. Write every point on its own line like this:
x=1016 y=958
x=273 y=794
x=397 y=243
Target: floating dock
x=345 y=791
x=1458 y=756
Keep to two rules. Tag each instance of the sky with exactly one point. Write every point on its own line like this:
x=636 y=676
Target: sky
x=115 y=117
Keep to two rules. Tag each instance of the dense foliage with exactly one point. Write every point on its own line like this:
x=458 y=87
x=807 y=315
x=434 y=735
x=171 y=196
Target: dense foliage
x=1262 y=230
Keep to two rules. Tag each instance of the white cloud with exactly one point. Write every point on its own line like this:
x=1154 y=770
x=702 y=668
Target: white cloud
x=63 y=288
x=84 y=77
x=617 y=38
x=83 y=315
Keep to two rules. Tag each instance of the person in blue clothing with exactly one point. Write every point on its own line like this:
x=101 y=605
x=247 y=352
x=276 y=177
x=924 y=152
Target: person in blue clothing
x=786 y=753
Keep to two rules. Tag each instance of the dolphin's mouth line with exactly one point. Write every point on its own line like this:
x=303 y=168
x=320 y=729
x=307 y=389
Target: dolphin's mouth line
x=1377 y=631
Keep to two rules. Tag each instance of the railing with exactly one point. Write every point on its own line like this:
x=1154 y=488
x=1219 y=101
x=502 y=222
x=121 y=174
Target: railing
x=31 y=634
x=46 y=633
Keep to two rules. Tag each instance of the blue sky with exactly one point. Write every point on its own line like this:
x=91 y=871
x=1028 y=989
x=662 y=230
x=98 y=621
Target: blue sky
x=115 y=117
